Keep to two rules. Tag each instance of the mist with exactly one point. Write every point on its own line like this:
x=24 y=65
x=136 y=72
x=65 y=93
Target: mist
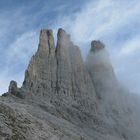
x=113 y=23
x=112 y=94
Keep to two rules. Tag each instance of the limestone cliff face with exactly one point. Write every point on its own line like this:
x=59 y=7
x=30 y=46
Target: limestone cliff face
x=65 y=98
x=59 y=69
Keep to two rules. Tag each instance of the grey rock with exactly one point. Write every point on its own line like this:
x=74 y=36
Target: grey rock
x=65 y=98
x=96 y=46
x=13 y=87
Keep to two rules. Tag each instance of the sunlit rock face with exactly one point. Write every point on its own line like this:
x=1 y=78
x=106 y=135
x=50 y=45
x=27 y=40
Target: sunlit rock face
x=65 y=98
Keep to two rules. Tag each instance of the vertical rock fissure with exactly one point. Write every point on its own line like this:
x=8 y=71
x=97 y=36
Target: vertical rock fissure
x=57 y=87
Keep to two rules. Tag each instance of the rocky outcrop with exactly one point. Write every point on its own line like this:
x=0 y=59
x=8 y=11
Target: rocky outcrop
x=63 y=97
x=13 y=87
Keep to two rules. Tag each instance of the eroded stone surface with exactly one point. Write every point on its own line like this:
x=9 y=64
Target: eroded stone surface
x=65 y=98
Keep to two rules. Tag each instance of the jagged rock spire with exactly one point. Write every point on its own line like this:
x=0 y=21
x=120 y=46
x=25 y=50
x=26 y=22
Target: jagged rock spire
x=39 y=66
x=96 y=46
x=58 y=70
x=14 y=90
x=59 y=93
x=13 y=87
x=46 y=41
x=101 y=71
x=98 y=55
x=63 y=39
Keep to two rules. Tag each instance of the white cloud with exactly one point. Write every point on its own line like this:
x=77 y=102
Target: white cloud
x=113 y=23
x=131 y=46
x=23 y=47
x=99 y=18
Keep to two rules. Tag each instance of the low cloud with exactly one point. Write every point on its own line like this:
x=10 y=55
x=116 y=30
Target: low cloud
x=131 y=47
x=116 y=24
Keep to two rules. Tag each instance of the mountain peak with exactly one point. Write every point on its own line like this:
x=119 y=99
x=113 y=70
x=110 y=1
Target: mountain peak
x=63 y=97
x=63 y=39
x=96 y=45
x=46 y=41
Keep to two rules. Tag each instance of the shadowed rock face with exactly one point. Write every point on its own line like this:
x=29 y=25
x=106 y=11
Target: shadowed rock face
x=64 y=98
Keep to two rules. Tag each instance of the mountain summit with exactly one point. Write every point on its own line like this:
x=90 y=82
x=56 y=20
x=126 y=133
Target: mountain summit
x=65 y=98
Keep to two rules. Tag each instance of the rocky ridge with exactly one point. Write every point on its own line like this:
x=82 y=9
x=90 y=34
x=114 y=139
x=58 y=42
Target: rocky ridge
x=65 y=98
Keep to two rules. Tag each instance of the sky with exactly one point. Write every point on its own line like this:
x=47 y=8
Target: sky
x=115 y=22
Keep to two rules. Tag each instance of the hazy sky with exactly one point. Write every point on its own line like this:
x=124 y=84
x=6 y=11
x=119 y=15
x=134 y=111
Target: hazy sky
x=115 y=22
